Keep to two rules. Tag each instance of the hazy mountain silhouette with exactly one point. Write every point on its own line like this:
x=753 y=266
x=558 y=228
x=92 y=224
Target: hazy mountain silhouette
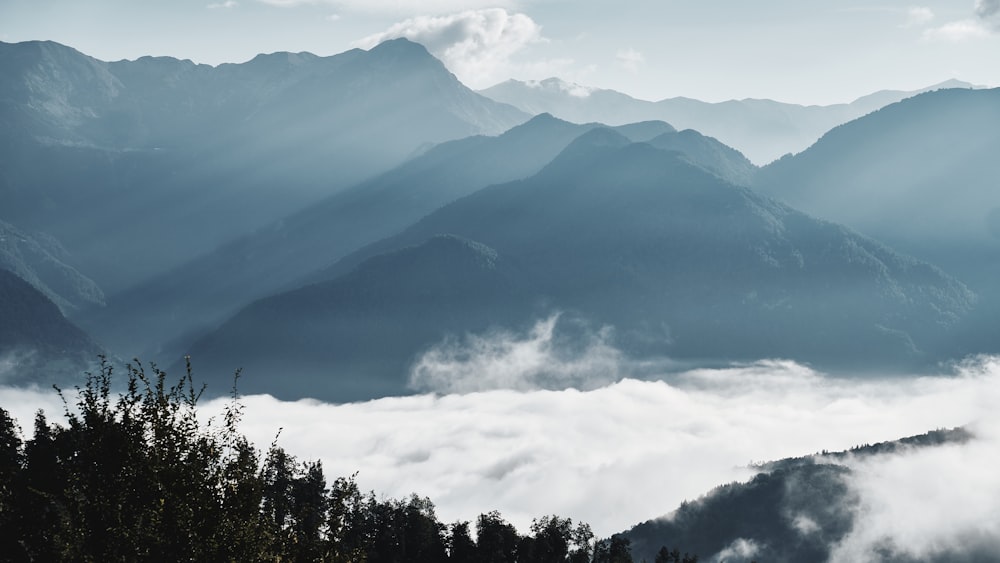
x=41 y=261
x=139 y=165
x=920 y=173
x=679 y=261
x=202 y=292
x=355 y=335
x=37 y=344
x=764 y=130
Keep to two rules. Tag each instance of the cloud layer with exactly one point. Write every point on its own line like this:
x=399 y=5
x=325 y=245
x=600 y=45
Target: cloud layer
x=632 y=450
x=477 y=45
x=635 y=449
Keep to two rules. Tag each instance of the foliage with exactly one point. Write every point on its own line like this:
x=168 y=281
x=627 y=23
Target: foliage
x=135 y=476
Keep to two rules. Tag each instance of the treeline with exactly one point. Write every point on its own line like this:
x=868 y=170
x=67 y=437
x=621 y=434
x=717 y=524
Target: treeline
x=135 y=476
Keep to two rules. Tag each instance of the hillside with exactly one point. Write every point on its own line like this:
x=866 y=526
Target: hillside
x=764 y=130
x=37 y=344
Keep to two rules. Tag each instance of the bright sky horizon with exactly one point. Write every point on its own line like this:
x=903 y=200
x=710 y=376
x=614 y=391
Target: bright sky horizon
x=785 y=50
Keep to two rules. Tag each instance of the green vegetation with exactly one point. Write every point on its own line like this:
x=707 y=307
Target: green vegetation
x=135 y=476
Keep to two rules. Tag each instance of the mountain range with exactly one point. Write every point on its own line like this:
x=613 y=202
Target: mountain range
x=337 y=217
x=919 y=175
x=763 y=130
x=205 y=290
x=136 y=166
x=326 y=223
x=680 y=261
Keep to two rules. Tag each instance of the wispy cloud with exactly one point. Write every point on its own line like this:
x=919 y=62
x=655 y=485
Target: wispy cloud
x=986 y=21
x=223 y=5
x=957 y=31
x=630 y=59
x=477 y=45
x=504 y=360
x=917 y=16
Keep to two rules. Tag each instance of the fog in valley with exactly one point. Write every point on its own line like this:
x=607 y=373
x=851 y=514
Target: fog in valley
x=614 y=453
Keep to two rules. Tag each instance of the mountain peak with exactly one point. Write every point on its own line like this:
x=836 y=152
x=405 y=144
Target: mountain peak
x=953 y=83
x=594 y=141
x=541 y=121
x=400 y=47
x=600 y=137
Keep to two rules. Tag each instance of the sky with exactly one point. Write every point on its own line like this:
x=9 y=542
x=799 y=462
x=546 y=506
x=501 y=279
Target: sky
x=795 y=51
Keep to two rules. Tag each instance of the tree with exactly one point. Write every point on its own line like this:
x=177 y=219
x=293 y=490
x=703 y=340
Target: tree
x=616 y=549
x=496 y=539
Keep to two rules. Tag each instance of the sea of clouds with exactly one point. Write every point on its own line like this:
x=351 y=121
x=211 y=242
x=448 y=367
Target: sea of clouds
x=620 y=450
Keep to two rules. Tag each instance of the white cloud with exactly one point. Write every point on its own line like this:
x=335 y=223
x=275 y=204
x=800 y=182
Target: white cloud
x=333 y=18
x=399 y=8
x=504 y=360
x=630 y=59
x=957 y=31
x=557 y=85
x=986 y=21
x=740 y=550
x=928 y=503
x=477 y=45
x=226 y=4
x=918 y=15
x=630 y=451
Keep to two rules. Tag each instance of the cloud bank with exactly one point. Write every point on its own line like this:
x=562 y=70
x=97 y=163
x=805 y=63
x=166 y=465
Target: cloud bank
x=632 y=450
x=479 y=46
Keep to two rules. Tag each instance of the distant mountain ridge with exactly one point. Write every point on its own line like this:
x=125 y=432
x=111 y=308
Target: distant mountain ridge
x=41 y=261
x=764 y=130
x=138 y=165
x=202 y=292
x=679 y=261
